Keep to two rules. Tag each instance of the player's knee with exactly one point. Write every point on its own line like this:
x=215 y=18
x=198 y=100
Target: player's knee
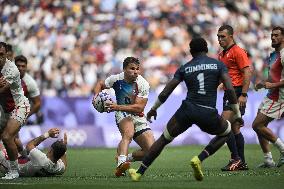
x=127 y=138
x=256 y=128
x=167 y=135
x=257 y=125
x=228 y=129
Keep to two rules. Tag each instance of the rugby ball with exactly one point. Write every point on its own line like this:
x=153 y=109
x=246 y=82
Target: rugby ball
x=100 y=100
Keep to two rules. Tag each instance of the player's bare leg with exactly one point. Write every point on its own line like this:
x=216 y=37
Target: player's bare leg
x=20 y=146
x=268 y=159
x=260 y=127
x=126 y=129
x=8 y=136
x=145 y=141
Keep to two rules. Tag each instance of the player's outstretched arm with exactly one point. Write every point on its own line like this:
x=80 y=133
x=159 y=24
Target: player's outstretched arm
x=163 y=96
x=53 y=133
x=64 y=157
x=232 y=97
x=228 y=84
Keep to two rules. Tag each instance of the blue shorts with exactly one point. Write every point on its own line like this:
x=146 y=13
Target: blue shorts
x=206 y=118
x=226 y=107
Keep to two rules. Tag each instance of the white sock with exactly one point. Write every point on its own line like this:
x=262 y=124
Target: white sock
x=121 y=159
x=280 y=145
x=130 y=157
x=14 y=165
x=268 y=157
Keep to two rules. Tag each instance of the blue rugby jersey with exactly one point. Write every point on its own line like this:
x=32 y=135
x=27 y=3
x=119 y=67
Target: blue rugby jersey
x=201 y=76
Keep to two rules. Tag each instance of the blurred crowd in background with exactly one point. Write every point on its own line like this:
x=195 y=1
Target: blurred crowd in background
x=72 y=44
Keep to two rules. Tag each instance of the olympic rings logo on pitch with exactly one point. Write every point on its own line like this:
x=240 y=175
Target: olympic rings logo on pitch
x=76 y=137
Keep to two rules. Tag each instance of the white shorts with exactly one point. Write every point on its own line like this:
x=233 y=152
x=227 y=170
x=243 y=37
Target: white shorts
x=140 y=123
x=20 y=113
x=271 y=108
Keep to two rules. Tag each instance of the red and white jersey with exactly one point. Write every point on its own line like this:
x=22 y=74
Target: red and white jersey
x=276 y=74
x=15 y=95
x=30 y=86
x=40 y=165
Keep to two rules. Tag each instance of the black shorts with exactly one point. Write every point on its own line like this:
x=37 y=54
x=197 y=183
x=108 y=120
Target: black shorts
x=238 y=91
x=207 y=119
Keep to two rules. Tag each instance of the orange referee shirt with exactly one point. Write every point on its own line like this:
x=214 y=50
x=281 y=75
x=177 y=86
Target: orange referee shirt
x=235 y=58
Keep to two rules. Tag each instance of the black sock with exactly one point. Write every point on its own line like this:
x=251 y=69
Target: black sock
x=142 y=169
x=203 y=155
x=231 y=142
x=215 y=144
x=153 y=153
x=240 y=141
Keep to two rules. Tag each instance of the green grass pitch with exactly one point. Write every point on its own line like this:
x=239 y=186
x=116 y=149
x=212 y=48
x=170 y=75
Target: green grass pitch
x=94 y=168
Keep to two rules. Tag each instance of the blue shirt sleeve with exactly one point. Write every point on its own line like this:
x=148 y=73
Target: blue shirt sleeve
x=179 y=74
x=223 y=68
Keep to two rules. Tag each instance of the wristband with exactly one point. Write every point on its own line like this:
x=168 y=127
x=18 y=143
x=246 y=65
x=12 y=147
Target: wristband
x=46 y=135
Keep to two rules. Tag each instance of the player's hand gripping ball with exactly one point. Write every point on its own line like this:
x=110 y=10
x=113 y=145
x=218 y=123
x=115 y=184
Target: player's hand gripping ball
x=100 y=100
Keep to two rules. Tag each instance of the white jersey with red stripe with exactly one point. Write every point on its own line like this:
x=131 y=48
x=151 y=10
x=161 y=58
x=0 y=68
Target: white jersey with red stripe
x=41 y=165
x=30 y=86
x=276 y=74
x=14 y=97
x=37 y=165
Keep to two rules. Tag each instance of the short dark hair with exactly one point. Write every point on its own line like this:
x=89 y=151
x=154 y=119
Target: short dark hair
x=21 y=58
x=129 y=60
x=3 y=44
x=59 y=148
x=278 y=28
x=9 y=47
x=228 y=28
x=198 y=45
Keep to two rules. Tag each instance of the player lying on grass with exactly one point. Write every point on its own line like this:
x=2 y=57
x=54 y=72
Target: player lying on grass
x=52 y=163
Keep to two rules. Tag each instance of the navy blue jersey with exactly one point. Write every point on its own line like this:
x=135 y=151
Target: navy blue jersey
x=201 y=76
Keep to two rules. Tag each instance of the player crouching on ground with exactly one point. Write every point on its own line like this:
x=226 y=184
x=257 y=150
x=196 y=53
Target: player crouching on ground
x=52 y=163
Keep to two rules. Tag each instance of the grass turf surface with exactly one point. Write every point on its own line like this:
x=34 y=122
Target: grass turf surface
x=94 y=168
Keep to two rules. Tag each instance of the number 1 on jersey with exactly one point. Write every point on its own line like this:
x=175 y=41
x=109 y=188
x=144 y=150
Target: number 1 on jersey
x=200 y=78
